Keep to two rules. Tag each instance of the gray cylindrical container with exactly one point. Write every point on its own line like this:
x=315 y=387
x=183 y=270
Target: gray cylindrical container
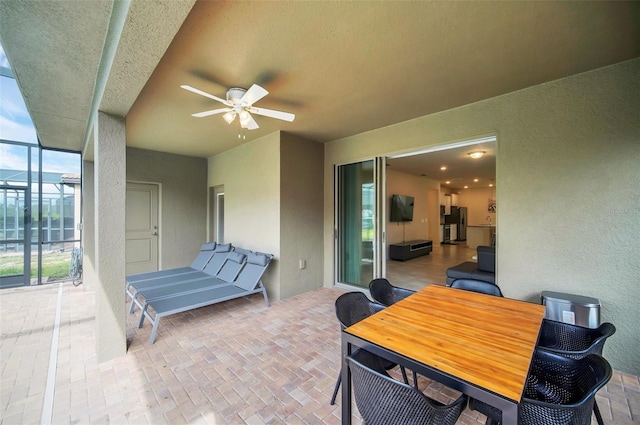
x=568 y=308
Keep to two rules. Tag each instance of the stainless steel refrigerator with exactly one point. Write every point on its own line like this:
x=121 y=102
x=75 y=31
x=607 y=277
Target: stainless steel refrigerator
x=458 y=217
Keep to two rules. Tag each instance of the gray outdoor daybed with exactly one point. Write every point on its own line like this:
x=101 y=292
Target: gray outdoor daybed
x=248 y=282
x=229 y=271
x=213 y=266
x=205 y=254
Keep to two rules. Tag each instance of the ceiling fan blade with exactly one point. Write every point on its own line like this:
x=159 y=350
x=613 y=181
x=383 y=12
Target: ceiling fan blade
x=211 y=112
x=205 y=94
x=286 y=116
x=254 y=94
x=252 y=125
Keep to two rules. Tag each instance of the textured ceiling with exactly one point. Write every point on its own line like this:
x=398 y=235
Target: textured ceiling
x=348 y=67
x=342 y=67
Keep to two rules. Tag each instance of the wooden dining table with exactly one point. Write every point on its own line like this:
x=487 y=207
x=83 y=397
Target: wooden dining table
x=480 y=345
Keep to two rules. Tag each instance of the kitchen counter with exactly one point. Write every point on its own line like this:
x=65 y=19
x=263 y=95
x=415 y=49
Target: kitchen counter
x=479 y=234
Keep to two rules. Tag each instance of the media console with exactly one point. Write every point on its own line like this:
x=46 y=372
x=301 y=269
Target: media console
x=411 y=249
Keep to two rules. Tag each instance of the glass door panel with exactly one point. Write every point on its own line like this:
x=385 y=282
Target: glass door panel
x=355 y=223
x=13 y=220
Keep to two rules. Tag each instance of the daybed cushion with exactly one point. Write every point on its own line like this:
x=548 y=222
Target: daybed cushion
x=469 y=270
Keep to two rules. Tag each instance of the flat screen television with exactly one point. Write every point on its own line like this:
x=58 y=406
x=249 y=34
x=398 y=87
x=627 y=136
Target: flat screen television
x=401 y=208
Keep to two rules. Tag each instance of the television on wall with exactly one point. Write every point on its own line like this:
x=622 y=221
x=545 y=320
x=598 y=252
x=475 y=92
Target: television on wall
x=401 y=208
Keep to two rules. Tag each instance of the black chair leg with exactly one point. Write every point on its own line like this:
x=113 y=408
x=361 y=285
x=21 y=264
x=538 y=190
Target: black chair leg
x=404 y=375
x=335 y=390
x=596 y=410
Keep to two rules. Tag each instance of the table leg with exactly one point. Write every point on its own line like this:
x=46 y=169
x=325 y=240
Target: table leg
x=346 y=382
x=510 y=415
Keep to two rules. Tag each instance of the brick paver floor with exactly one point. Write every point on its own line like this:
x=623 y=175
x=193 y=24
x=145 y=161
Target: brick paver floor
x=237 y=362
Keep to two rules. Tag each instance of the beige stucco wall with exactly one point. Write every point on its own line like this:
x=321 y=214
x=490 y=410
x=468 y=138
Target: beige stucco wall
x=109 y=225
x=301 y=219
x=182 y=201
x=250 y=174
x=409 y=185
x=568 y=189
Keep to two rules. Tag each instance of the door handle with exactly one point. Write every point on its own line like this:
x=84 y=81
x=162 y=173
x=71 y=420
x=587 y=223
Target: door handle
x=154 y=233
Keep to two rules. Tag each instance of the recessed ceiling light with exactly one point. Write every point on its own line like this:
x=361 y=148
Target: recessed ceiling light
x=466 y=187
x=475 y=180
x=476 y=154
x=448 y=182
x=444 y=167
x=490 y=184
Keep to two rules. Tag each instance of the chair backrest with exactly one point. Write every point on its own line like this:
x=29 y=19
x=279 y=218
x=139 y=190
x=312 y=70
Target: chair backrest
x=383 y=400
x=479 y=286
x=561 y=390
x=204 y=256
x=486 y=258
x=572 y=340
x=219 y=256
x=255 y=266
x=231 y=267
x=385 y=293
x=352 y=307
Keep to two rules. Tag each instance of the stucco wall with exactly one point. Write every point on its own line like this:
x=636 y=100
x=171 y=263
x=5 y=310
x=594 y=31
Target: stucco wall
x=250 y=174
x=568 y=189
x=409 y=185
x=182 y=199
x=301 y=217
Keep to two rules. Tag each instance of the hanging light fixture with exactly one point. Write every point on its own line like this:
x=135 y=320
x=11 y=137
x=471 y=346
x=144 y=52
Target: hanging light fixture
x=476 y=154
x=229 y=116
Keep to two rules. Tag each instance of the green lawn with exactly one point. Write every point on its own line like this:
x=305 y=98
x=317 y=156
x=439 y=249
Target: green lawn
x=55 y=264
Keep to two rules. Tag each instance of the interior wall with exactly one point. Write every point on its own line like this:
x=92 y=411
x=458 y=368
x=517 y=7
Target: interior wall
x=400 y=183
x=568 y=189
x=182 y=201
x=477 y=202
x=301 y=217
x=250 y=174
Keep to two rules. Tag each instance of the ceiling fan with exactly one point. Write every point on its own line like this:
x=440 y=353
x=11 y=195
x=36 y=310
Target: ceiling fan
x=239 y=103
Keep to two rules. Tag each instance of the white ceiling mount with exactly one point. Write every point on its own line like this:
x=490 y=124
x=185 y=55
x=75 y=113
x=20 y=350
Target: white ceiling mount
x=239 y=103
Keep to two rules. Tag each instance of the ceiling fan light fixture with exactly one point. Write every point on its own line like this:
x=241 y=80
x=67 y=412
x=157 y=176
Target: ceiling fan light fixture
x=244 y=118
x=229 y=116
x=476 y=154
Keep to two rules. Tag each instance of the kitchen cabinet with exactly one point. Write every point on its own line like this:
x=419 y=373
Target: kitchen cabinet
x=447 y=204
x=454 y=231
x=454 y=199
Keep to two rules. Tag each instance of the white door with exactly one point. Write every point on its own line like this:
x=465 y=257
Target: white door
x=141 y=233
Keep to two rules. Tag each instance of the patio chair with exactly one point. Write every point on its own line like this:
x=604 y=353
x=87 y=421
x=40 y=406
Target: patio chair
x=249 y=281
x=385 y=293
x=479 y=286
x=381 y=400
x=575 y=342
x=559 y=390
x=201 y=260
x=351 y=308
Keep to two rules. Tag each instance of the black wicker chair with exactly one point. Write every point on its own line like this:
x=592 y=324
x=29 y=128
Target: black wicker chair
x=559 y=390
x=385 y=293
x=479 y=286
x=351 y=308
x=575 y=342
x=381 y=400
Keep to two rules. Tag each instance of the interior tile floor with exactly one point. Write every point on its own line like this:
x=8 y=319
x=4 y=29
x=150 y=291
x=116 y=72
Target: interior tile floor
x=428 y=269
x=238 y=362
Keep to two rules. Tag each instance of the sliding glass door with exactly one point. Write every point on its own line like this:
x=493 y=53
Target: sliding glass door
x=359 y=239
